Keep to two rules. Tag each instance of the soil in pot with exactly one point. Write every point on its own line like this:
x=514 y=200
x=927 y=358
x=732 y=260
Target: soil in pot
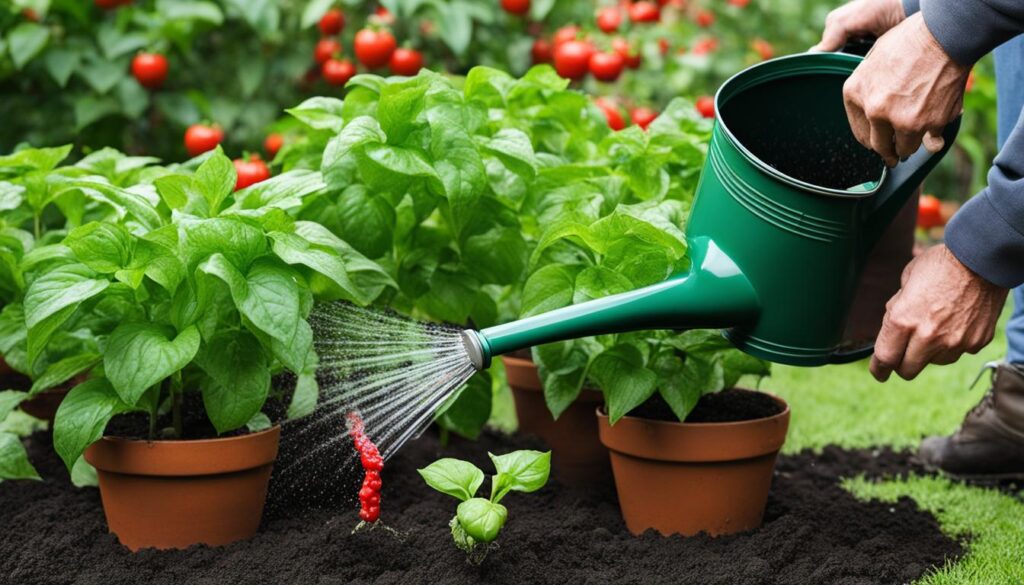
x=814 y=533
x=577 y=455
x=708 y=476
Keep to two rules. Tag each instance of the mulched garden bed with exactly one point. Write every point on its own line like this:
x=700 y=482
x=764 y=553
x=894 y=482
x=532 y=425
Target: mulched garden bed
x=814 y=533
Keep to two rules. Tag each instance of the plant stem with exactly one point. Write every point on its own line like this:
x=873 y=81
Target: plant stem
x=152 y=424
x=37 y=227
x=176 y=412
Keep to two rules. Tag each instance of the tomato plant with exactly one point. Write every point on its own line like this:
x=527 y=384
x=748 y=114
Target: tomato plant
x=478 y=521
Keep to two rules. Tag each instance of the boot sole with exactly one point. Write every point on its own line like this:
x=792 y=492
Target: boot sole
x=979 y=478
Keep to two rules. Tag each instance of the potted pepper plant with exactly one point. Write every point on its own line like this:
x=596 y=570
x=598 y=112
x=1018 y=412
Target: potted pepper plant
x=197 y=295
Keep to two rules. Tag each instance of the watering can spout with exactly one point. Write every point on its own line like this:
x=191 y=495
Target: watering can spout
x=714 y=293
x=900 y=183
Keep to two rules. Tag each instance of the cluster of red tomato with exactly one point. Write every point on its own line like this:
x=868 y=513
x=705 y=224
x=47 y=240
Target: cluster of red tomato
x=575 y=55
x=373 y=464
x=374 y=47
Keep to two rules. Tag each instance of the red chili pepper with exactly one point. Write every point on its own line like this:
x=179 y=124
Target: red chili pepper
x=373 y=464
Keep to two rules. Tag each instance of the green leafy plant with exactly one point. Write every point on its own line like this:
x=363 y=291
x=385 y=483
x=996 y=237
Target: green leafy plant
x=186 y=286
x=478 y=521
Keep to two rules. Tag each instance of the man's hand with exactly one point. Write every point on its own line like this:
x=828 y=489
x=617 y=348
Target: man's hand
x=942 y=311
x=906 y=90
x=859 y=18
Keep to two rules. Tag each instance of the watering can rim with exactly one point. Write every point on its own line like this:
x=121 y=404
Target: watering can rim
x=818 y=60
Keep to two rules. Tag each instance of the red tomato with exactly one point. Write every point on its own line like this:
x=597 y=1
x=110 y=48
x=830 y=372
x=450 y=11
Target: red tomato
x=516 y=6
x=565 y=34
x=250 y=171
x=200 y=138
x=272 y=144
x=541 y=51
x=609 y=19
x=929 y=212
x=325 y=49
x=572 y=59
x=644 y=11
x=332 y=22
x=337 y=72
x=706 y=106
x=739 y=3
x=621 y=46
x=611 y=113
x=374 y=47
x=643 y=117
x=763 y=48
x=705 y=46
x=606 y=66
x=149 y=69
x=705 y=18
x=406 y=62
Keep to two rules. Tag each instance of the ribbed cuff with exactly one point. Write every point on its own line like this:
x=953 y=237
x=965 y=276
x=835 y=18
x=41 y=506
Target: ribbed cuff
x=986 y=243
x=911 y=7
x=968 y=29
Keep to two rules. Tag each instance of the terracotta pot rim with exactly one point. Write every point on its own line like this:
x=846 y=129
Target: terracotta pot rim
x=708 y=425
x=183 y=458
x=123 y=440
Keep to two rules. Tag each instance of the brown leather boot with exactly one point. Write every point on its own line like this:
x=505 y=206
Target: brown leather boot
x=989 y=445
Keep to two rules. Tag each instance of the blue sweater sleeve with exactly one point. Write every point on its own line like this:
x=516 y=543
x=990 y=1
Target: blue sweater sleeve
x=969 y=29
x=987 y=234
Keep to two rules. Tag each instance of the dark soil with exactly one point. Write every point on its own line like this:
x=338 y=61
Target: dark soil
x=731 y=405
x=814 y=532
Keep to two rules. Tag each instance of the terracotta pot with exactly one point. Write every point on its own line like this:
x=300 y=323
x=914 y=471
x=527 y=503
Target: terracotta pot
x=173 y=494
x=44 y=405
x=576 y=451
x=688 y=478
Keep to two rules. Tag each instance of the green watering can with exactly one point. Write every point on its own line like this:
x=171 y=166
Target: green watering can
x=788 y=207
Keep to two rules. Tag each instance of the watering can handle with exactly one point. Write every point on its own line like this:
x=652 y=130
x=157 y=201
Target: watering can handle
x=901 y=182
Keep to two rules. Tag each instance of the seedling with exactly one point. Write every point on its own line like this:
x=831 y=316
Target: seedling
x=478 y=521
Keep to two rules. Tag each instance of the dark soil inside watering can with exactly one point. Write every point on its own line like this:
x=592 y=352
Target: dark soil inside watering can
x=814 y=533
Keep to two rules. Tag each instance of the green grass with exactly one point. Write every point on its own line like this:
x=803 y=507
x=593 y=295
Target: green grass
x=992 y=523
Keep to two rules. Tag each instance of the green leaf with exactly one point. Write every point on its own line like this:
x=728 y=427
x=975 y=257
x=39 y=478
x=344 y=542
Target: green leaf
x=268 y=295
x=620 y=372
x=61 y=63
x=9 y=400
x=314 y=10
x=238 y=379
x=320 y=113
x=399 y=107
x=550 y=287
x=520 y=471
x=53 y=297
x=457 y=478
x=64 y=370
x=305 y=396
x=514 y=149
x=294 y=249
x=10 y=196
x=258 y=422
x=14 y=463
x=482 y=519
x=455 y=27
x=339 y=162
x=468 y=411
x=199 y=11
x=215 y=179
x=39 y=159
x=139 y=355
x=83 y=474
x=25 y=41
x=283 y=191
x=82 y=417
x=175 y=190
x=239 y=242
x=104 y=247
